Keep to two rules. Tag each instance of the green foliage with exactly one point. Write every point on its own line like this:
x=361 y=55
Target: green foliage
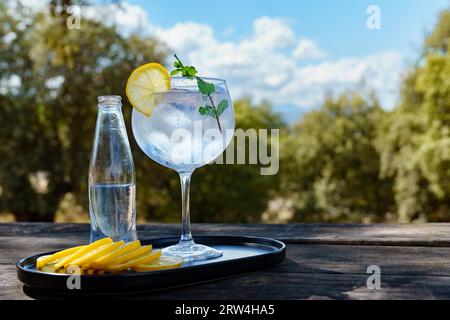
x=438 y=40
x=330 y=163
x=349 y=160
x=47 y=128
x=414 y=140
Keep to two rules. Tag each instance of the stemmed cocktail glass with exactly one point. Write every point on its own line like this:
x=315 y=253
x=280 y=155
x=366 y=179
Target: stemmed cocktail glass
x=178 y=136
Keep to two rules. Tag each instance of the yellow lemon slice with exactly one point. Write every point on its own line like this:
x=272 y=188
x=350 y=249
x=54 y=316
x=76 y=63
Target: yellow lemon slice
x=163 y=263
x=49 y=267
x=143 y=259
x=101 y=262
x=130 y=256
x=86 y=260
x=44 y=260
x=142 y=85
x=81 y=252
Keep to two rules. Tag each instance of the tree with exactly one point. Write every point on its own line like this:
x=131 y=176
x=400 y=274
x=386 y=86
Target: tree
x=415 y=140
x=331 y=166
x=48 y=120
x=47 y=124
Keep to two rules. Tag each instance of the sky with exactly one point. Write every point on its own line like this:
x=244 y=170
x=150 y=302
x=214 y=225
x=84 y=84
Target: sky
x=290 y=52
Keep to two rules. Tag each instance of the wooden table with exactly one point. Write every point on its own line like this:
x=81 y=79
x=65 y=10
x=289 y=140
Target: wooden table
x=323 y=261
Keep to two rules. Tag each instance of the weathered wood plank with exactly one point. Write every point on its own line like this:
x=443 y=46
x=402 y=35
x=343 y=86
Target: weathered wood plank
x=15 y=248
x=336 y=267
x=377 y=234
x=10 y=286
x=323 y=261
x=315 y=286
x=269 y=285
x=340 y=259
x=300 y=258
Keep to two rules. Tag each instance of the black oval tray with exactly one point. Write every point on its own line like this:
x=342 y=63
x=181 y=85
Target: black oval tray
x=240 y=255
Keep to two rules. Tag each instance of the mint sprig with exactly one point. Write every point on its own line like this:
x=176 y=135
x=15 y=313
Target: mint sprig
x=205 y=88
x=186 y=71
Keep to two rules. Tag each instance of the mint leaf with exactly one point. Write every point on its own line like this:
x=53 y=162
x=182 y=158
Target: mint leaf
x=223 y=105
x=207 y=111
x=175 y=72
x=189 y=72
x=205 y=87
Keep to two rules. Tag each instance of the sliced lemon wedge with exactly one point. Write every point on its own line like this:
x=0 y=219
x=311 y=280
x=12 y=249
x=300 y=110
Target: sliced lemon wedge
x=82 y=251
x=130 y=255
x=101 y=262
x=163 y=263
x=143 y=259
x=86 y=260
x=42 y=261
x=142 y=85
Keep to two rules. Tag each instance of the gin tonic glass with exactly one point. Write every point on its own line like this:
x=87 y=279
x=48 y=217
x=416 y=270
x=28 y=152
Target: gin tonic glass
x=181 y=136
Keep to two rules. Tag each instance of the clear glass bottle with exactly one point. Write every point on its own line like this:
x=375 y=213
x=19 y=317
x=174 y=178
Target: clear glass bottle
x=112 y=180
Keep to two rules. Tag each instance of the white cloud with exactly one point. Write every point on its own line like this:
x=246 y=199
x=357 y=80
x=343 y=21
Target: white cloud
x=271 y=63
x=380 y=72
x=307 y=49
x=273 y=32
x=126 y=17
x=186 y=37
x=267 y=65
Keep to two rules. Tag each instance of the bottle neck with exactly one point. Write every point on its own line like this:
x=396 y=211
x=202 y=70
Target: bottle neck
x=109 y=103
x=109 y=108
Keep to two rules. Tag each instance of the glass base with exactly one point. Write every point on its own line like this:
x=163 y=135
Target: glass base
x=191 y=251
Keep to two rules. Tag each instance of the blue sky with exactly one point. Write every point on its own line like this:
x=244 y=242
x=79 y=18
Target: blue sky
x=338 y=25
x=289 y=52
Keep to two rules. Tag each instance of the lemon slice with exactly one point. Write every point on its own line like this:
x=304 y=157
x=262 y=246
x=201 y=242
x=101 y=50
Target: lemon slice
x=142 y=85
x=86 y=260
x=101 y=262
x=143 y=259
x=81 y=252
x=130 y=255
x=49 y=267
x=42 y=261
x=163 y=263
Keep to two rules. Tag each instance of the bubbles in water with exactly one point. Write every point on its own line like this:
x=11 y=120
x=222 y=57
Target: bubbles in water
x=112 y=212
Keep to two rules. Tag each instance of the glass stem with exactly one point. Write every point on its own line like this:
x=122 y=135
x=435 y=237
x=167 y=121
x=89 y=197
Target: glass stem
x=186 y=237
